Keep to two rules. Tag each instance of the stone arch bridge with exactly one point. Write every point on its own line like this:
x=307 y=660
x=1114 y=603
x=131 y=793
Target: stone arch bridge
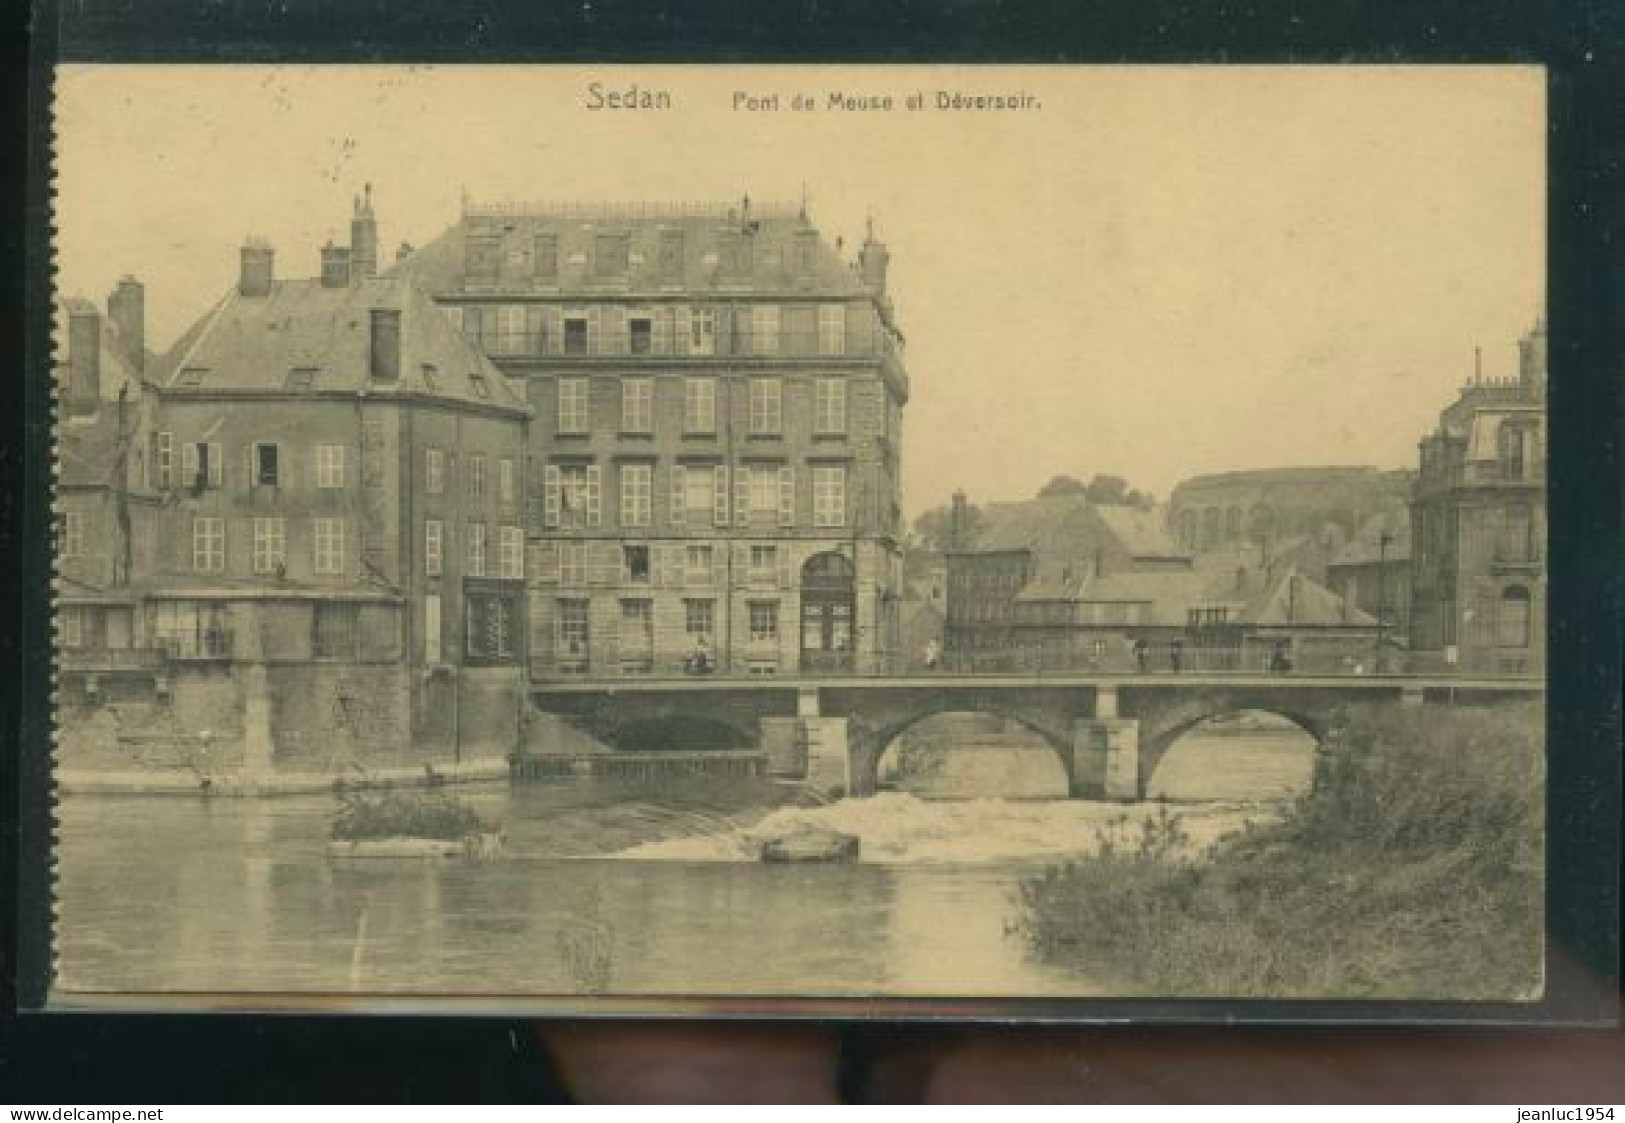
x=1109 y=731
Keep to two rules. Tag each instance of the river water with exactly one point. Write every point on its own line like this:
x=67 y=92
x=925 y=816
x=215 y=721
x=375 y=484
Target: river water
x=605 y=889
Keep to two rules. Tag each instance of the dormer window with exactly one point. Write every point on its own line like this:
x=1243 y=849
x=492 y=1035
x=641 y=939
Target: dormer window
x=610 y=255
x=671 y=255
x=545 y=257
x=481 y=388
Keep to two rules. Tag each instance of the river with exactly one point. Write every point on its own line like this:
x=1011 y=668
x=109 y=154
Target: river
x=604 y=889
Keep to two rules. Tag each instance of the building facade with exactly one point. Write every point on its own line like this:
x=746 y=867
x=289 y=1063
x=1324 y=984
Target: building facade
x=1268 y=508
x=716 y=446
x=1478 y=526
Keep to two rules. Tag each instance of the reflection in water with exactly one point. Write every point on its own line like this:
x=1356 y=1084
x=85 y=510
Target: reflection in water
x=183 y=894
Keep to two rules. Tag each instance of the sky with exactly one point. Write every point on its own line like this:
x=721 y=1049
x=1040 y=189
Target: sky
x=1151 y=271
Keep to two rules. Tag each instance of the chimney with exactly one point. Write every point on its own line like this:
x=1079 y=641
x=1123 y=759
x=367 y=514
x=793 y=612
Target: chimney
x=335 y=266
x=385 y=361
x=363 y=238
x=958 y=521
x=258 y=268
x=126 y=310
x=873 y=261
x=84 y=389
x=1532 y=358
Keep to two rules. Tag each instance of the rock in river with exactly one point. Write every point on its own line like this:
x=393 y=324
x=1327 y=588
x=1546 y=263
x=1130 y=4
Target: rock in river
x=810 y=844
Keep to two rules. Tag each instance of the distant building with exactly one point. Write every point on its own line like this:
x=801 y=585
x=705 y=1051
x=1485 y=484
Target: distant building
x=1267 y=508
x=718 y=401
x=1062 y=536
x=1478 y=525
x=1373 y=571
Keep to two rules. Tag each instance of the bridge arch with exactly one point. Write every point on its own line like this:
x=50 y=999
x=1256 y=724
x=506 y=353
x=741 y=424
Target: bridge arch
x=1159 y=735
x=867 y=744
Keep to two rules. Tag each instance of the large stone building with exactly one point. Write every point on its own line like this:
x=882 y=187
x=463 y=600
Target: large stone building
x=718 y=399
x=332 y=560
x=1478 y=525
x=1309 y=513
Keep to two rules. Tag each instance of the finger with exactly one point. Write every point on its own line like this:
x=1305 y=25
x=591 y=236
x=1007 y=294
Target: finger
x=694 y=1062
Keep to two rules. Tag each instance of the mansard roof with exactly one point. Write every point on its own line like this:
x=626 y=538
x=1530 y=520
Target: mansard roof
x=768 y=236
x=304 y=336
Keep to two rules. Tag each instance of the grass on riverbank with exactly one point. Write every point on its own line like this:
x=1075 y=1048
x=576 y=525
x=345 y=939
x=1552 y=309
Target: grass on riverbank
x=1413 y=870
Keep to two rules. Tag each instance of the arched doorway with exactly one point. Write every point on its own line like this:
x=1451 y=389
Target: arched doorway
x=828 y=602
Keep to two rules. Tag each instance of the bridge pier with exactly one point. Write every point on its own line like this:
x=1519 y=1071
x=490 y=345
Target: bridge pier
x=1105 y=759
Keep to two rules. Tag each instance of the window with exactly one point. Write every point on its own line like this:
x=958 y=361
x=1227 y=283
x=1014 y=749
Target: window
x=335 y=633
x=1512 y=623
x=636 y=494
x=697 y=562
x=510 y=336
x=831 y=329
x=764 y=490
x=507 y=480
x=700 y=618
x=572 y=495
x=764 y=329
x=475 y=562
x=695 y=489
x=640 y=335
x=700 y=406
x=266 y=465
x=73 y=626
x=209 y=544
x=434 y=547
x=830 y=406
x=510 y=552
x=70 y=540
x=572 y=405
x=572 y=563
x=572 y=633
x=477 y=383
x=577 y=337
x=637 y=632
x=545 y=257
x=329 y=541
x=434 y=471
x=164 y=460
x=829 y=495
x=635 y=563
x=270 y=545
x=764 y=561
x=476 y=474
x=671 y=255
x=202 y=465
x=610 y=256
x=702 y=331
x=637 y=405
x=766 y=406
x=1517 y=537
x=764 y=622
x=329 y=466
x=432 y=637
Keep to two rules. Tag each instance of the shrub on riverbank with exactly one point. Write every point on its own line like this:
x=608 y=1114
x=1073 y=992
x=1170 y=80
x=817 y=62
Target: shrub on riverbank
x=436 y=816
x=1412 y=870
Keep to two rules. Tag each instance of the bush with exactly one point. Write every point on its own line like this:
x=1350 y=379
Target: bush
x=403 y=815
x=1413 y=869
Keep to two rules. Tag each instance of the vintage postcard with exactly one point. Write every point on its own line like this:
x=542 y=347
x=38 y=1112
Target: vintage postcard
x=568 y=536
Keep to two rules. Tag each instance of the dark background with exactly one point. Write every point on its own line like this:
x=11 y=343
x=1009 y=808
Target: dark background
x=267 y=1059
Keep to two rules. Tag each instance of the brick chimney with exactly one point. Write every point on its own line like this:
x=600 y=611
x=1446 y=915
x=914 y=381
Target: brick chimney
x=958 y=522
x=127 y=312
x=335 y=266
x=84 y=389
x=258 y=268
x=873 y=262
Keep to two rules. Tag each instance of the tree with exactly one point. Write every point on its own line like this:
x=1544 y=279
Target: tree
x=1110 y=490
x=933 y=530
x=1062 y=485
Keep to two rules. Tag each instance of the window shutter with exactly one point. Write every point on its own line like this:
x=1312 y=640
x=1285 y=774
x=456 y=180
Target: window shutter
x=595 y=321
x=679 y=495
x=595 y=495
x=742 y=476
x=310 y=467
x=719 y=562
x=787 y=495
x=741 y=563
x=188 y=464
x=617 y=343
x=550 y=495
x=662 y=331
x=217 y=465
x=719 y=512
x=787 y=567
x=603 y=563
x=250 y=477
